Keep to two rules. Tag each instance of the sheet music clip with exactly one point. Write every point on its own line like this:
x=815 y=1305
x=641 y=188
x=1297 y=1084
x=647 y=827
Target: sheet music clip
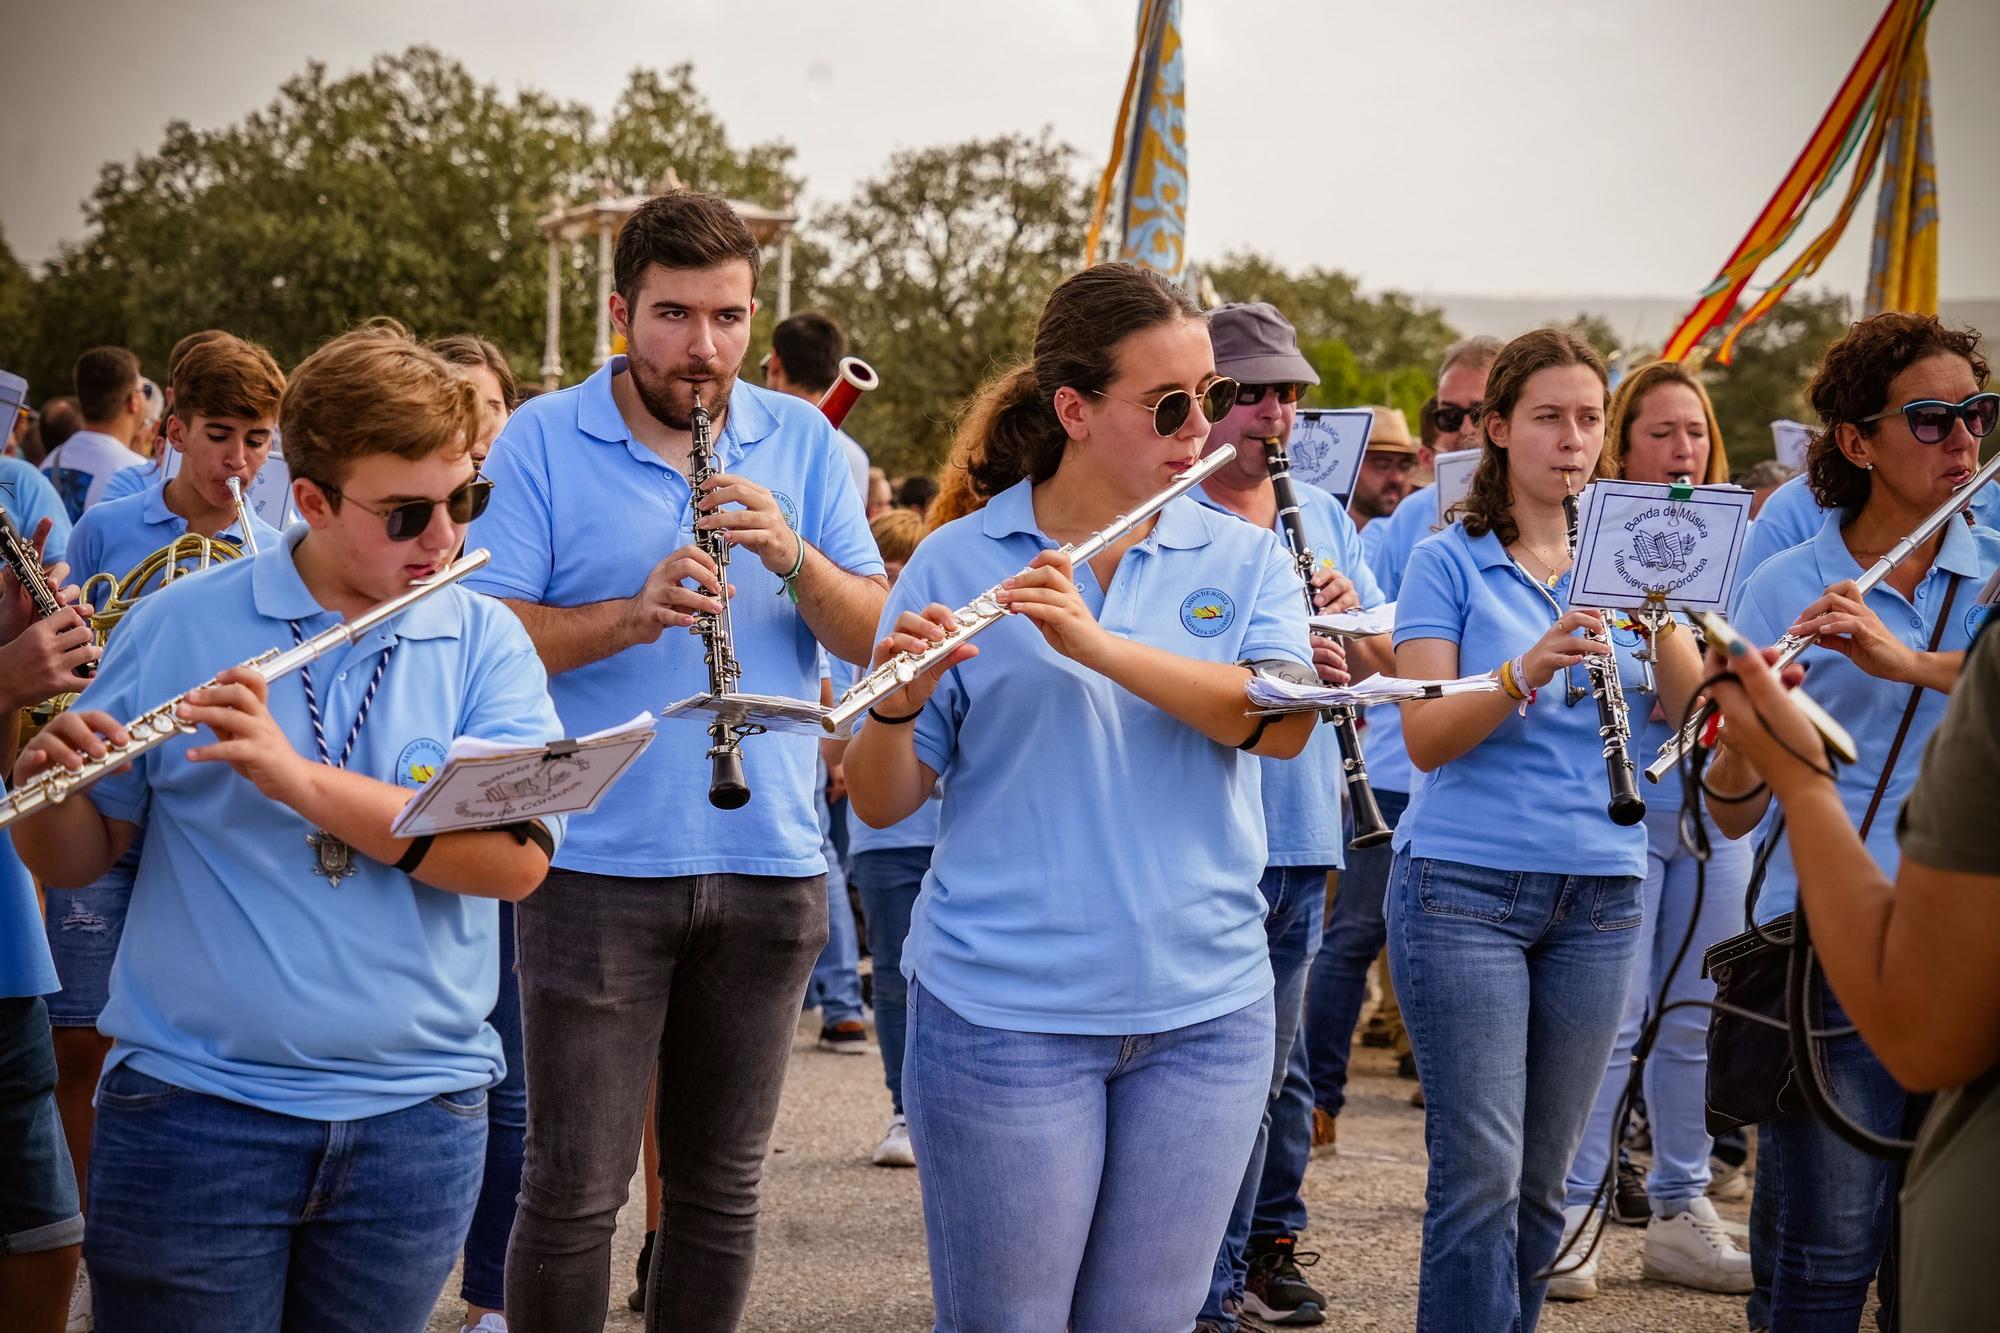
x=560 y=749
x=1433 y=692
x=751 y=714
x=1680 y=490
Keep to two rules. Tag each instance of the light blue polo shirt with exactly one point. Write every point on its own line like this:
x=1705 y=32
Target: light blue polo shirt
x=132 y=480
x=1302 y=796
x=1791 y=517
x=1386 y=544
x=1531 y=796
x=1871 y=709
x=919 y=829
x=29 y=499
x=582 y=512
x=243 y=973
x=1097 y=861
x=114 y=536
x=25 y=965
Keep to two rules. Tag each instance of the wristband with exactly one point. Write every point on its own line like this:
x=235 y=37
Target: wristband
x=896 y=721
x=1263 y=723
x=420 y=847
x=791 y=580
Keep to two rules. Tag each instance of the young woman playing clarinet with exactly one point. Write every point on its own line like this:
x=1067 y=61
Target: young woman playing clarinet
x=1902 y=409
x=1662 y=429
x=1514 y=902
x=1089 y=1010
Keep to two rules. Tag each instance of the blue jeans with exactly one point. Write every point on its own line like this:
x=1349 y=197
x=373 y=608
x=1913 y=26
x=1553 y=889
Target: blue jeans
x=208 y=1214
x=836 y=978
x=1511 y=984
x=1676 y=1078
x=888 y=882
x=1822 y=1224
x=484 y=1279
x=1281 y=1207
x=38 y=1208
x=1355 y=933
x=1295 y=899
x=1079 y=1181
x=84 y=926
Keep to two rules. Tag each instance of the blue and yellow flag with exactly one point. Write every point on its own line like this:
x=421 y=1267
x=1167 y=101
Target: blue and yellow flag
x=1149 y=150
x=1903 y=265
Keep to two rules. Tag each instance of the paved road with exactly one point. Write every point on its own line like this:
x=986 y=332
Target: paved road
x=843 y=1245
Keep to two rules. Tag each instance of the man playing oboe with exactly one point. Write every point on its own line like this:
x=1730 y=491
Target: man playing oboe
x=671 y=932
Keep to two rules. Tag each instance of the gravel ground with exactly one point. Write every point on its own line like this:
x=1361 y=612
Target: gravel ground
x=842 y=1245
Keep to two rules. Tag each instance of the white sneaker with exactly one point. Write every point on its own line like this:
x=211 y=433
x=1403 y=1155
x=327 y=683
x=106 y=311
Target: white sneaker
x=81 y=1318
x=1693 y=1249
x=488 y=1323
x=895 y=1149
x=1575 y=1277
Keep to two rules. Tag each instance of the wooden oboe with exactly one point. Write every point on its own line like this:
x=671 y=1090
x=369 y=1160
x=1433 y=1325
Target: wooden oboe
x=728 y=789
x=1370 y=829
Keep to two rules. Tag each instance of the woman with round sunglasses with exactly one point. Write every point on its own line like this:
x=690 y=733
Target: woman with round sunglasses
x=1900 y=401
x=1089 y=1011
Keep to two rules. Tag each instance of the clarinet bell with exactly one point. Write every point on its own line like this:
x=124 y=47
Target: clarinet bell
x=1627 y=808
x=728 y=789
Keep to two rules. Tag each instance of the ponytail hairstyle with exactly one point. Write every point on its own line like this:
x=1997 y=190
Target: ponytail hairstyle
x=1631 y=398
x=1009 y=430
x=1488 y=505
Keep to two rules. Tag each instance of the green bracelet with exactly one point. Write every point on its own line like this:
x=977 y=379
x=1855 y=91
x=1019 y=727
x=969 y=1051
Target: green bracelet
x=791 y=580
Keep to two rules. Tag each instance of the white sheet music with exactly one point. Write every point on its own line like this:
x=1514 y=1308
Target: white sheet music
x=1454 y=479
x=1356 y=624
x=1637 y=545
x=484 y=783
x=1327 y=444
x=1791 y=439
x=1275 y=694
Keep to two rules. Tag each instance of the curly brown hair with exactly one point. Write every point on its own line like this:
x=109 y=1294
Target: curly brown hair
x=1488 y=505
x=1853 y=381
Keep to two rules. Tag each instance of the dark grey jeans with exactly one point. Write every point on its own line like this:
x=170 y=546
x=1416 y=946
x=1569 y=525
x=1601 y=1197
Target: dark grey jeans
x=706 y=975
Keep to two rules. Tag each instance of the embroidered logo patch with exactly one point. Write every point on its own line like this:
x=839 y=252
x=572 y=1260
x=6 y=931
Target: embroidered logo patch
x=1624 y=631
x=787 y=508
x=1207 y=612
x=1975 y=616
x=419 y=762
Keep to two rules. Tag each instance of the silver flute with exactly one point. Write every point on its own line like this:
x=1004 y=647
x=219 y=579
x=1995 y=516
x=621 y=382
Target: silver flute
x=242 y=516
x=1614 y=718
x=162 y=724
x=1793 y=645
x=986 y=609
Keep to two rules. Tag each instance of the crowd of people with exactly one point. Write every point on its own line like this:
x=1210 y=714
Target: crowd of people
x=267 y=1064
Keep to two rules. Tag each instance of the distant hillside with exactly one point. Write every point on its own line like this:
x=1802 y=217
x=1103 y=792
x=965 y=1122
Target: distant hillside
x=1642 y=320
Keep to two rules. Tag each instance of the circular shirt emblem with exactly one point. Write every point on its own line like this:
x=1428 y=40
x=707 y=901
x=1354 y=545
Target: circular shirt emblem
x=787 y=508
x=419 y=762
x=1207 y=612
x=1975 y=618
x=1624 y=632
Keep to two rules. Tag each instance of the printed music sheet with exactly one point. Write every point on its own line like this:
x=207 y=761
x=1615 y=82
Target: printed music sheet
x=1454 y=479
x=1643 y=544
x=484 y=783
x=1327 y=444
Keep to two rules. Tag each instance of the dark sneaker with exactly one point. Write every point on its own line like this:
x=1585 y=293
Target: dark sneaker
x=1275 y=1291
x=637 y=1300
x=1629 y=1204
x=848 y=1038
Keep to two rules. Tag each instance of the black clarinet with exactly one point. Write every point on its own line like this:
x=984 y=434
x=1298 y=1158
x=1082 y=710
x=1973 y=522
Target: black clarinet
x=1370 y=829
x=728 y=789
x=26 y=562
x=1614 y=719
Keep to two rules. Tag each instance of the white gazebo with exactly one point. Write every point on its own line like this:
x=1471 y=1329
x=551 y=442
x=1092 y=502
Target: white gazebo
x=601 y=218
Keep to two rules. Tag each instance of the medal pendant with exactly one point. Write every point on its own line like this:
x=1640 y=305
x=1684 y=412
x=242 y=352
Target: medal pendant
x=334 y=859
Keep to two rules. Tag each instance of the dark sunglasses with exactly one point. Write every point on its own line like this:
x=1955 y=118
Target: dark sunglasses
x=1170 y=413
x=1930 y=419
x=406 y=522
x=1248 y=395
x=1451 y=417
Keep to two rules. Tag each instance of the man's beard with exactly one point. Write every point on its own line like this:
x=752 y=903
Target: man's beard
x=1379 y=505
x=669 y=399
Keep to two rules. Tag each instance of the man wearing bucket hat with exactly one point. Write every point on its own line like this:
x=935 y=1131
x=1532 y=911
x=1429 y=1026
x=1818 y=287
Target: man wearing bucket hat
x=1257 y=1269
x=1388 y=468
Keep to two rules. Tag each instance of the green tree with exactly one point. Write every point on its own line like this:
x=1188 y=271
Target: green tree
x=1774 y=362
x=1387 y=331
x=17 y=297
x=407 y=189
x=939 y=266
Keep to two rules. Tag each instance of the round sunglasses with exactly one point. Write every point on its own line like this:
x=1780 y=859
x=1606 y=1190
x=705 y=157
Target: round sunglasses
x=1930 y=419
x=1171 y=411
x=406 y=522
x=1249 y=395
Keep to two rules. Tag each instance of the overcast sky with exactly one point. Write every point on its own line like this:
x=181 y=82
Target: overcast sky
x=1529 y=147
